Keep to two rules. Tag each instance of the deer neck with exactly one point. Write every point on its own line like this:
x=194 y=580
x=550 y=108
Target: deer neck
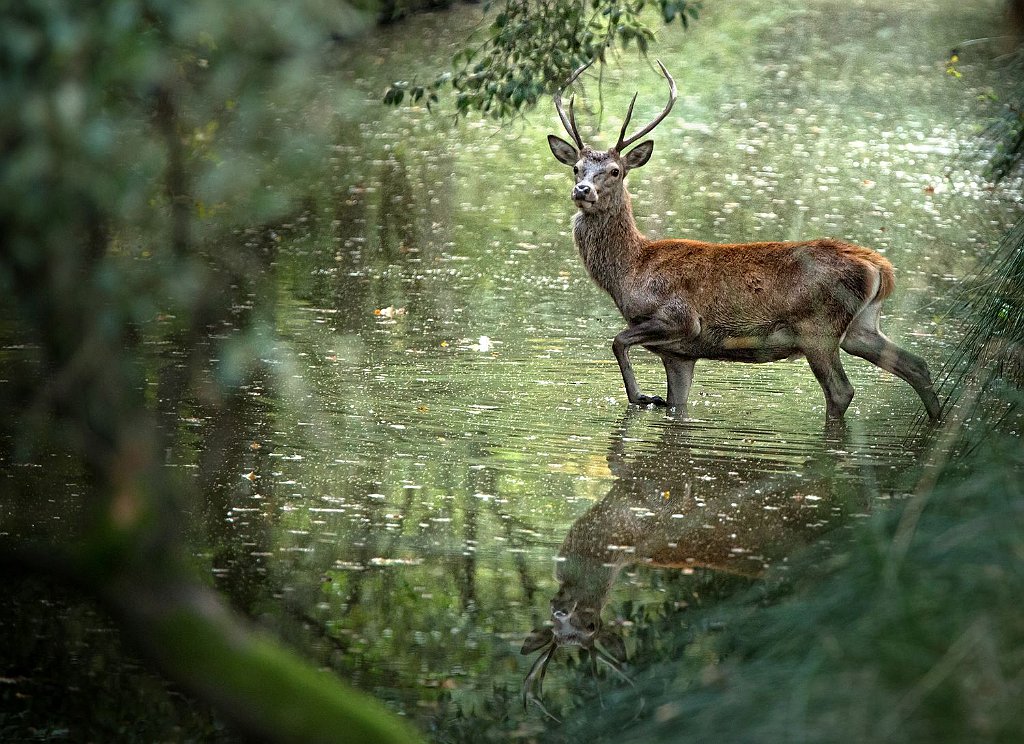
x=587 y=580
x=609 y=244
x=600 y=543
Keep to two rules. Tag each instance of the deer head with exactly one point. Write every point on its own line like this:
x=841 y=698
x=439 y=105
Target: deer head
x=576 y=621
x=600 y=173
x=585 y=577
x=576 y=610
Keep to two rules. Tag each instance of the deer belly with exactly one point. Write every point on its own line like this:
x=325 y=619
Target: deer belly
x=778 y=345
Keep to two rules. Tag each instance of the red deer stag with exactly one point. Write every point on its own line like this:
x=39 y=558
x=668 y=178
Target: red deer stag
x=686 y=300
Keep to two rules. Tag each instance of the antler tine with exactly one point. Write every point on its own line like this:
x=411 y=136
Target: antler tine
x=569 y=121
x=536 y=675
x=625 y=122
x=673 y=93
x=597 y=682
x=572 y=120
x=614 y=664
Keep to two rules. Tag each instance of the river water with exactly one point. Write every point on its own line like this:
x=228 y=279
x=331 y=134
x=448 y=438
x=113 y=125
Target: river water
x=448 y=407
x=444 y=405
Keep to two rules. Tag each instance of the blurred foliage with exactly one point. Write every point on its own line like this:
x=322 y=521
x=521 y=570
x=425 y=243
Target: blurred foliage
x=69 y=678
x=532 y=47
x=389 y=11
x=138 y=137
x=1002 y=141
x=990 y=355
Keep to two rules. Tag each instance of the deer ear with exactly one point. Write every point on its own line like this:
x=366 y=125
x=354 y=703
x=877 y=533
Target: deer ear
x=613 y=643
x=539 y=638
x=562 y=150
x=639 y=155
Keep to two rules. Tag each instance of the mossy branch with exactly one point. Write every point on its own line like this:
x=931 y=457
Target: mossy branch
x=187 y=630
x=263 y=687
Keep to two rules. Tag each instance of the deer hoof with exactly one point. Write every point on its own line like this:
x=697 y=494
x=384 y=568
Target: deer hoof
x=651 y=400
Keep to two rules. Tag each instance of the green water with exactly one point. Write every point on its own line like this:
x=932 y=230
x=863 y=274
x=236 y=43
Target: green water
x=413 y=482
x=415 y=479
x=446 y=404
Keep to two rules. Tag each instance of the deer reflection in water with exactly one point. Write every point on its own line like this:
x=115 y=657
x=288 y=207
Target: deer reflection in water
x=676 y=507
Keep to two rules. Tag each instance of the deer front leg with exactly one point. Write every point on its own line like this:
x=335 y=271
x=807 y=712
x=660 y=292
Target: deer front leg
x=680 y=325
x=679 y=371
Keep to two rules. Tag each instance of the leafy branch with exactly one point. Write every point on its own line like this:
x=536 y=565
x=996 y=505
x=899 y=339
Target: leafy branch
x=532 y=46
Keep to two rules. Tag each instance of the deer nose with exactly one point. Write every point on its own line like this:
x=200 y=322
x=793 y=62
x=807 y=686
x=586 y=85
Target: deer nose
x=560 y=614
x=581 y=191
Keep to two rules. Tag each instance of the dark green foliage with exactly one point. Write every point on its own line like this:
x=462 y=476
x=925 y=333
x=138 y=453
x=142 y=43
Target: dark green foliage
x=994 y=304
x=137 y=138
x=389 y=11
x=86 y=687
x=532 y=47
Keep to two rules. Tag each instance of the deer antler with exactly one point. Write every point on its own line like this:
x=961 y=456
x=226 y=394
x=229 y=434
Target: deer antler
x=536 y=678
x=569 y=121
x=623 y=143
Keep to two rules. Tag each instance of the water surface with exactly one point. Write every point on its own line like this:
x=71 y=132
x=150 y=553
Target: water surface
x=452 y=405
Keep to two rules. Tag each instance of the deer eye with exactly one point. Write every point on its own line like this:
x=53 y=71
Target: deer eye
x=591 y=627
x=615 y=172
x=575 y=170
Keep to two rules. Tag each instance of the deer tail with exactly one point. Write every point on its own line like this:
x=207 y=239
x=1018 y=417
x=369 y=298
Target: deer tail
x=861 y=281
x=886 y=276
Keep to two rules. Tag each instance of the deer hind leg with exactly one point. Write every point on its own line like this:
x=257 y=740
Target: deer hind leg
x=865 y=339
x=654 y=332
x=832 y=377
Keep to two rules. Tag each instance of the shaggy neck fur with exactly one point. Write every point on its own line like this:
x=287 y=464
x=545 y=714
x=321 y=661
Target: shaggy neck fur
x=608 y=242
x=587 y=580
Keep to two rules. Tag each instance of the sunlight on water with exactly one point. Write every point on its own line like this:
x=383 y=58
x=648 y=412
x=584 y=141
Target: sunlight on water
x=448 y=407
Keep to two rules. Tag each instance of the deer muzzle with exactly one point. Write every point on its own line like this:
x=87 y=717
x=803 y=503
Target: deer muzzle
x=584 y=193
x=575 y=627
